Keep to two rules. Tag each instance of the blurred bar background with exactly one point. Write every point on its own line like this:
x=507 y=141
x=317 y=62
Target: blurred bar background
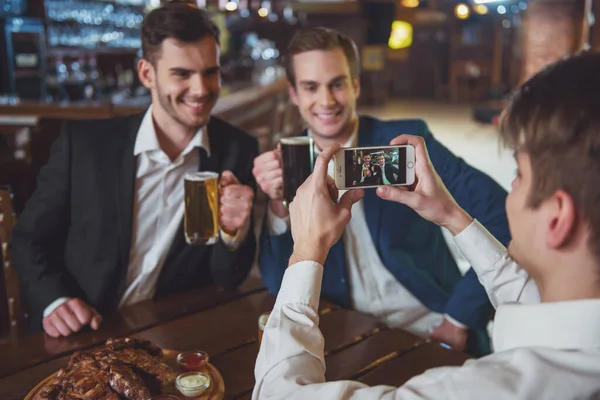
x=69 y=59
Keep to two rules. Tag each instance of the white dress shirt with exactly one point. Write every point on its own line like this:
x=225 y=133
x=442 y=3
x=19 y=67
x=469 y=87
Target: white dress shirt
x=365 y=168
x=543 y=350
x=157 y=211
x=373 y=289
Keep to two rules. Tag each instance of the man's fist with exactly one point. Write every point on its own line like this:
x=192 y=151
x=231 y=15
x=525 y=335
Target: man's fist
x=71 y=317
x=236 y=203
x=269 y=174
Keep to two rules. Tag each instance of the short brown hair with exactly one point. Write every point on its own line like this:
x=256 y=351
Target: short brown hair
x=555 y=118
x=320 y=38
x=176 y=20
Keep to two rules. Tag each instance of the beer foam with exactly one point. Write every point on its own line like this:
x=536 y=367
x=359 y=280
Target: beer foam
x=200 y=176
x=296 y=140
x=262 y=320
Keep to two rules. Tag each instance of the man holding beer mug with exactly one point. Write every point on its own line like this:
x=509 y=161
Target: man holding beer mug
x=390 y=263
x=105 y=226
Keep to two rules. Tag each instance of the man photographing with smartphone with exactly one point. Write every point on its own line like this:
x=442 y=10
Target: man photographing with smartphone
x=389 y=263
x=545 y=286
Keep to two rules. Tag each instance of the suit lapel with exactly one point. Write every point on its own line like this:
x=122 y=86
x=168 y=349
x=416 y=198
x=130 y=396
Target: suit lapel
x=218 y=147
x=126 y=170
x=367 y=136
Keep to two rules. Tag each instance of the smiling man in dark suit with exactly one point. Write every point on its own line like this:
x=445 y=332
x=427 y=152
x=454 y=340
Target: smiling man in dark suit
x=104 y=226
x=371 y=173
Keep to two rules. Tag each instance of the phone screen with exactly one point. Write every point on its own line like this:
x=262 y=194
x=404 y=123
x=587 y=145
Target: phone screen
x=375 y=167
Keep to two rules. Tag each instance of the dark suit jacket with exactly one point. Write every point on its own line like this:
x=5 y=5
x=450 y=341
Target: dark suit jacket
x=411 y=248
x=375 y=178
x=390 y=170
x=74 y=235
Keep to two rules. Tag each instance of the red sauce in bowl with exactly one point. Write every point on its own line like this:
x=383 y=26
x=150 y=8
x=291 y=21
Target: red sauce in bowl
x=193 y=360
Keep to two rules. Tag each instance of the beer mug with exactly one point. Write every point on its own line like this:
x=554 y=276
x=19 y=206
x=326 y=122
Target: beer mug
x=201 y=219
x=298 y=158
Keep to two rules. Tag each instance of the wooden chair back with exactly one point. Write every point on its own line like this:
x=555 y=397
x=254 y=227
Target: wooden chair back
x=12 y=313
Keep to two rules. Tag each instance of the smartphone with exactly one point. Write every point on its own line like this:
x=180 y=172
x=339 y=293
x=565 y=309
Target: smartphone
x=370 y=167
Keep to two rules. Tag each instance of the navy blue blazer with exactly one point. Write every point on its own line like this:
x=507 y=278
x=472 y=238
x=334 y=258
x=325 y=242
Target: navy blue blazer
x=411 y=248
x=390 y=170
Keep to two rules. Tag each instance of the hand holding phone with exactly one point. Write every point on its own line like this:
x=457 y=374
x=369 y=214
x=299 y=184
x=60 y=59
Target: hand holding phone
x=430 y=198
x=317 y=222
x=369 y=167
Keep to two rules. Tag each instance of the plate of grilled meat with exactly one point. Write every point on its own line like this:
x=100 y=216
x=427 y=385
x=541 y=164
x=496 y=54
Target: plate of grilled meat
x=129 y=369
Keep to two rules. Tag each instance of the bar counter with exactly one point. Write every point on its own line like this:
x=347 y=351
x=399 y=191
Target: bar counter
x=234 y=101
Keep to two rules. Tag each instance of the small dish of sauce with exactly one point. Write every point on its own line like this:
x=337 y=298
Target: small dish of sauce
x=192 y=384
x=193 y=360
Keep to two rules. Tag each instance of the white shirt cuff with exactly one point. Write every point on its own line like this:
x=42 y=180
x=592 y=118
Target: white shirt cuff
x=233 y=241
x=479 y=247
x=277 y=225
x=301 y=284
x=54 y=305
x=456 y=323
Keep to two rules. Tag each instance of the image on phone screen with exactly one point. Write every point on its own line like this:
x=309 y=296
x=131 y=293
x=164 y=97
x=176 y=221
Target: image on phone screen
x=373 y=166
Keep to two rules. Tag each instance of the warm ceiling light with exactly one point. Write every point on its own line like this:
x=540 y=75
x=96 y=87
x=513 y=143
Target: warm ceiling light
x=481 y=9
x=401 y=36
x=462 y=11
x=410 y=3
x=263 y=12
x=231 y=6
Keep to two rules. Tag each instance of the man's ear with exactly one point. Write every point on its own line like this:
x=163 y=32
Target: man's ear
x=562 y=219
x=356 y=84
x=146 y=73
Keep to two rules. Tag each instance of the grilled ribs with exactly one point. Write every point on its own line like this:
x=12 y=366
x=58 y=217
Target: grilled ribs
x=129 y=369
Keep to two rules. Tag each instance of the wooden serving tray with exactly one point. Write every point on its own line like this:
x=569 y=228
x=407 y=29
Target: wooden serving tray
x=216 y=391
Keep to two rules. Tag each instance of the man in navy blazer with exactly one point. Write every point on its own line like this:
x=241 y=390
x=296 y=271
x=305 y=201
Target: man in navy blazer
x=390 y=263
x=390 y=172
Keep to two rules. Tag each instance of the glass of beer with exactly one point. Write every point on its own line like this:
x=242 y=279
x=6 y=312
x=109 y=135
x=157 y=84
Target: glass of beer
x=262 y=322
x=298 y=158
x=201 y=219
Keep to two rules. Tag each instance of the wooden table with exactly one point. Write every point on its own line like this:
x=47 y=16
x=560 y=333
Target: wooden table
x=225 y=325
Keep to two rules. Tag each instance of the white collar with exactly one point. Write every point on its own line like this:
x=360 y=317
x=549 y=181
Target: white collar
x=351 y=142
x=560 y=325
x=146 y=140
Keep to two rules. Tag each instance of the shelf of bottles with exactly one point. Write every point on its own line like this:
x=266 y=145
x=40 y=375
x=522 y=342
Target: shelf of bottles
x=80 y=35
x=98 y=25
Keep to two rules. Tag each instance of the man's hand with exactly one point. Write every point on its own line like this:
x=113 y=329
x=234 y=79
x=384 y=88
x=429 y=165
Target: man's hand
x=269 y=175
x=236 y=203
x=430 y=197
x=71 y=317
x=450 y=334
x=317 y=222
